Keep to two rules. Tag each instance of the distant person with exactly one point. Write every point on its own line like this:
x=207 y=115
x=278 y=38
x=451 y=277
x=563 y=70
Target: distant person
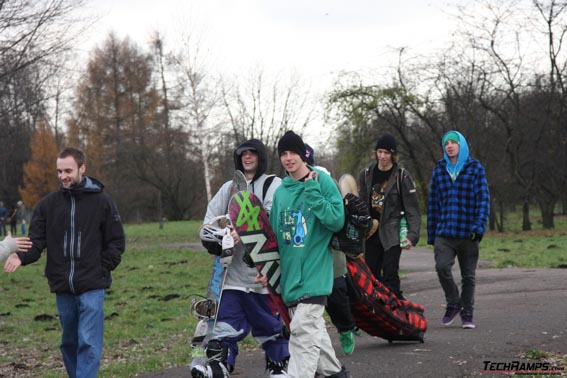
x=80 y=227
x=13 y=220
x=307 y=209
x=3 y=219
x=22 y=217
x=457 y=214
x=245 y=304
x=338 y=303
x=390 y=193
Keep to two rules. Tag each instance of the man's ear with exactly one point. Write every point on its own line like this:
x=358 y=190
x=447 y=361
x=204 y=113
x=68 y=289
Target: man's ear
x=82 y=169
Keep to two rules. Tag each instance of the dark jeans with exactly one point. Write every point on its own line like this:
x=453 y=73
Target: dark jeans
x=338 y=306
x=385 y=265
x=241 y=312
x=466 y=251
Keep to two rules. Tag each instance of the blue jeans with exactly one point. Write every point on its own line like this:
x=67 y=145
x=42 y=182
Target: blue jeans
x=82 y=320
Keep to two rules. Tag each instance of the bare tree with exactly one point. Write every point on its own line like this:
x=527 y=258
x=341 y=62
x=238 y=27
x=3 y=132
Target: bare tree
x=264 y=109
x=35 y=31
x=507 y=37
x=199 y=100
x=33 y=36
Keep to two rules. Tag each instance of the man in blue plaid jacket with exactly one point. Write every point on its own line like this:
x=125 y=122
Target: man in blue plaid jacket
x=457 y=214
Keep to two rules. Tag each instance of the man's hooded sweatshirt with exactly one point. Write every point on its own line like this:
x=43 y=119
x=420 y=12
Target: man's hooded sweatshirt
x=304 y=216
x=239 y=275
x=459 y=201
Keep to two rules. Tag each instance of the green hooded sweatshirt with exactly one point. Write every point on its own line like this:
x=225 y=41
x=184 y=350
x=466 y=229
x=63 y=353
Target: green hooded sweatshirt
x=304 y=217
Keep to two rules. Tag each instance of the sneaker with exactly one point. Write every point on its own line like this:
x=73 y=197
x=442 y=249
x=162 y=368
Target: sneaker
x=347 y=342
x=357 y=332
x=277 y=369
x=213 y=370
x=201 y=371
x=450 y=314
x=344 y=373
x=215 y=367
x=467 y=319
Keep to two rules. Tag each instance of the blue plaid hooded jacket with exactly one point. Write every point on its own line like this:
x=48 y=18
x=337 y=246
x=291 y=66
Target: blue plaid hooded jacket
x=457 y=209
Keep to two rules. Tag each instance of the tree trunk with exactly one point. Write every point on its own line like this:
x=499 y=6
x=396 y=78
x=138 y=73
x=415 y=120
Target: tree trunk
x=501 y=210
x=547 y=207
x=526 y=224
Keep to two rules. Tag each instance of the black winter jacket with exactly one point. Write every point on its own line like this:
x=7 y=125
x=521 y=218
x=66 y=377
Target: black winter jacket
x=389 y=227
x=81 y=229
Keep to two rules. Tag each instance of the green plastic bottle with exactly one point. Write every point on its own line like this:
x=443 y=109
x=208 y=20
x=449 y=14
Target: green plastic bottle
x=403 y=230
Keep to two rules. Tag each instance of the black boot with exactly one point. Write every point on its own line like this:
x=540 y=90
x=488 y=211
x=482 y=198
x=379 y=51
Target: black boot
x=344 y=373
x=277 y=369
x=216 y=363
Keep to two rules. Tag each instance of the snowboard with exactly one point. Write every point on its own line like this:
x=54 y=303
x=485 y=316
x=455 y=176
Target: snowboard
x=205 y=309
x=347 y=184
x=253 y=226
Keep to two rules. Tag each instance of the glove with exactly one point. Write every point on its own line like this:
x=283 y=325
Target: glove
x=355 y=205
x=227 y=248
x=476 y=237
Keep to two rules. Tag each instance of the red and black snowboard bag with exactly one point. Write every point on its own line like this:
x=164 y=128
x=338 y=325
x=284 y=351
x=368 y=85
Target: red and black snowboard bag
x=377 y=311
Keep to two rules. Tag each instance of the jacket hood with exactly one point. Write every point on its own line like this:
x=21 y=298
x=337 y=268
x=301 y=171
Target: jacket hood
x=260 y=148
x=454 y=169
x=87 y=185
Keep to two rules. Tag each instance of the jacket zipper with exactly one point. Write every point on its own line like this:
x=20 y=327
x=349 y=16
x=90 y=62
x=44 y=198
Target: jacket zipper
x=65 y=245
x=79 y=245
x=72 y=243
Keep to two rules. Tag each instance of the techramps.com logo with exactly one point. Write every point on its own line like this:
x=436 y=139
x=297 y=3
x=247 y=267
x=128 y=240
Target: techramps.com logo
x=523 y=368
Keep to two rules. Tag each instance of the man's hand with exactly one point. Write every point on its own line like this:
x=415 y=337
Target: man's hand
x=312 y=176
x=24 y=243
x=476 y=237
x=261 y=279
x=13 y=263
x=407 y=244
x=234 y=234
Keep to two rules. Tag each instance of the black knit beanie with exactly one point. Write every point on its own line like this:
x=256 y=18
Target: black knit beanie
x=290 y=141
x=387 y=142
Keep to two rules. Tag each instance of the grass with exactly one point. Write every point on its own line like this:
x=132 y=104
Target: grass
x=148 y=325
x=537 y=248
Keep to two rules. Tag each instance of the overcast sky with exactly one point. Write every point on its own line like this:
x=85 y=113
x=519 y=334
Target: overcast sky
x=317 y=38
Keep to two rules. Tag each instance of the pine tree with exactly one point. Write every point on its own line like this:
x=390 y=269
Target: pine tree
x=39 y=172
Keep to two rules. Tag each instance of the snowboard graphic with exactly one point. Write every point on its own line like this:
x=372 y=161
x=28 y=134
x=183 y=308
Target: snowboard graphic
x=253 y=226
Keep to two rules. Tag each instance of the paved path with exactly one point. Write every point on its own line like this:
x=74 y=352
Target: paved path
x=516 y=310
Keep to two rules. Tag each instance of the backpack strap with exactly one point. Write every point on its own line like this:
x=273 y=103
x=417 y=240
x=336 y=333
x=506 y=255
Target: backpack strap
x=266 y=185
x=399 y=184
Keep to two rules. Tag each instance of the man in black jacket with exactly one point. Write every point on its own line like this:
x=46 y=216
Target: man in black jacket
x=81 y=228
